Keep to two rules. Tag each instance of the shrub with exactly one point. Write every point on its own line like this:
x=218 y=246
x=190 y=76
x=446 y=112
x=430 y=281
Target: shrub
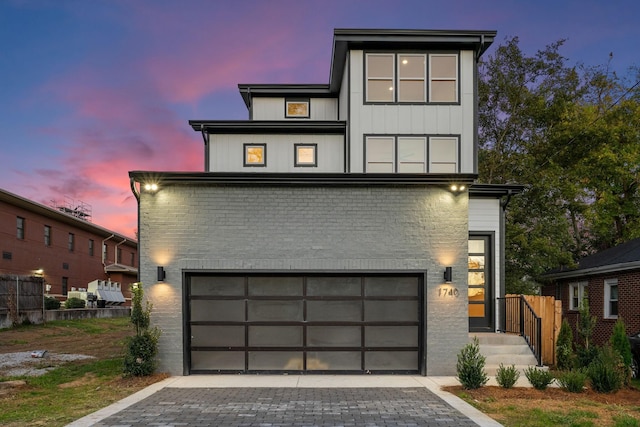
x=621 y=345
x=607 y=371
x=470 y=366
x=50 y=303
x=564 y=347
x=539 y=378
x=74 y=302
x=507 y=377
x=142 y=348
x=572 y=381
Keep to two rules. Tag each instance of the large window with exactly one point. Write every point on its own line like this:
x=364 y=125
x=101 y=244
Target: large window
x=611 y=298
x=402 y=78
x=20 y=227
x=411 y=154
x=577 y=292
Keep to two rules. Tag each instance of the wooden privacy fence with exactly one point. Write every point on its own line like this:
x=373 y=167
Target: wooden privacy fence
x=20 y=293
x=548 y=310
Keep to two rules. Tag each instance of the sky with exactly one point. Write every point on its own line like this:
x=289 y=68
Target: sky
x=93 y=89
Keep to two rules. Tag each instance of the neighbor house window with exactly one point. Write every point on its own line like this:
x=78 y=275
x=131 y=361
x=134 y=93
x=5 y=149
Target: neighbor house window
x=411 y=154
x=403 y=78
x=611 y=298
x=119 y=260
x=255 y=154
x=72 y=242
x=133 y=260
x=65 y=285
x=577 y=292
x=91 y=245
x=297 y=108
x=20 y=228
x=104 y=252
x=7 y=255
x=47 y=235
x=305 y=154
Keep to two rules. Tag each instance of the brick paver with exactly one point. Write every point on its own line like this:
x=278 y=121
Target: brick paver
x=271 y=407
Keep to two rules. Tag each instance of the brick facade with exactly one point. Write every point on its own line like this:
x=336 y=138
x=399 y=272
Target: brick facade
x=243 y=228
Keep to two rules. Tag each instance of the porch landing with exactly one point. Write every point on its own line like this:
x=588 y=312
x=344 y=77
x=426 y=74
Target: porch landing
x=508 y=349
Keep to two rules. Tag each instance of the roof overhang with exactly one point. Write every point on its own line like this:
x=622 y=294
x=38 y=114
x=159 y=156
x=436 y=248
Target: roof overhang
x=120 y=268
x=299 y=179
x=494 y=190
x=580 y=273
x=268 y=127
x=247 y=91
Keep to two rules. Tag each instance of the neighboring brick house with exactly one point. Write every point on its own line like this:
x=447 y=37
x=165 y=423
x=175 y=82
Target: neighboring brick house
x=62 y=246
x=610 y=279
x=339 y=229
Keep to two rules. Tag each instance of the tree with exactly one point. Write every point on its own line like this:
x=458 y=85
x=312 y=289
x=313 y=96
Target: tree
x=572 y=135
x=142 y=348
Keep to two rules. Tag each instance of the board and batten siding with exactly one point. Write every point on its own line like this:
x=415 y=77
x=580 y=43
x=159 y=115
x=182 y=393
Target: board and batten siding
x=226 y=152
x=415 y=119
x=484 y=217
x=274 y=109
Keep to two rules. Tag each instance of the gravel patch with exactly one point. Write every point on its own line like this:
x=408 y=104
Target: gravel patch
x=24 y=364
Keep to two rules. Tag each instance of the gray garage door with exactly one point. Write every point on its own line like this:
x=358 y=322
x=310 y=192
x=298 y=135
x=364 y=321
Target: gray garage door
x=310 y=323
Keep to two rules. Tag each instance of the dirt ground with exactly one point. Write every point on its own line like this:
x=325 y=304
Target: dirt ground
x=495 y=401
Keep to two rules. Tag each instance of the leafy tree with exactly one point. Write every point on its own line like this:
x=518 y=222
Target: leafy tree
x=564 y=347
x=142 y=348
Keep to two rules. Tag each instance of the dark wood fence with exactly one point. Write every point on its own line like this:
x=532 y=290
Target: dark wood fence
x=19 y=294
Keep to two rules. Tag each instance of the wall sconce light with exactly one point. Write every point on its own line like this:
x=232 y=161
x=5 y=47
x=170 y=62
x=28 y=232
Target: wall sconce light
x=448 y=274
x=161 y=274
x=456 y=188
x=151 y=187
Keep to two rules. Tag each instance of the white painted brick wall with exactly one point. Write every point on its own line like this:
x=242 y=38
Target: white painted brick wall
x=193 y=227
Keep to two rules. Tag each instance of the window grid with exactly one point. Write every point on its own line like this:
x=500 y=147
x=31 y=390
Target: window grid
x=611 y=299
x=47 y=235
x=72 y=242
x=411 y=154
x=577 y=293
x=20 y=224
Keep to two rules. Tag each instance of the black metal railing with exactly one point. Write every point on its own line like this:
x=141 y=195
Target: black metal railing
x=517 y=317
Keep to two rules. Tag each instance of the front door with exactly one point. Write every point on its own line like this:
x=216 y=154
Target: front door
x=480 y=284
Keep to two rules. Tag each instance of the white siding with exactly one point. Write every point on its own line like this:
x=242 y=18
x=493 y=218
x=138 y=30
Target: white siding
x=274 y=109
x=226 y=153
x=484 y=216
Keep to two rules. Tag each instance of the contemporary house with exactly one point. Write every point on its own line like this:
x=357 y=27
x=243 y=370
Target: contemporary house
x=337 y=230
x=609 y=280
x=63 y=246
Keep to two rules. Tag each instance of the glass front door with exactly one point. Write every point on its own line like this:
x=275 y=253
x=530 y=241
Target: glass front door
x=480 y=284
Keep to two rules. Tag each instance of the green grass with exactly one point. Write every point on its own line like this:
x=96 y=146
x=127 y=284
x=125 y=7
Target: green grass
x=626 y=421
x=544 y=418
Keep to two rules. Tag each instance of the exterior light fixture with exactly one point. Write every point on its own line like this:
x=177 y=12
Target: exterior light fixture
x=161 y=274
x=151 y=186
x=39 y=272
x=448 y=274
x=457 y=188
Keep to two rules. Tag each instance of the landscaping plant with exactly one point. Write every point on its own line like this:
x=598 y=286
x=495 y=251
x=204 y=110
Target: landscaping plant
x=140 y=357
x=564 y=347
x=586 y=323
x=539 y=378
x=470 y=366
x=572 y=381
x=621 y=345
x=74 y=302
x=507 y=376
x=50 y=303
x=607 y=372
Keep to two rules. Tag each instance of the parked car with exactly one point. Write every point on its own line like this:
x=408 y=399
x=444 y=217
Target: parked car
x=634 y=340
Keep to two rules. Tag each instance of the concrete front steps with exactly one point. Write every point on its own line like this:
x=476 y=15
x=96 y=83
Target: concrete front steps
x=508 y=349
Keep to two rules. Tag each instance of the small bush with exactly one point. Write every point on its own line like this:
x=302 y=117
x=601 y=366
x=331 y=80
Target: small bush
x=584 y=356
x=539 y=378
x=507 y=377
x=620 y=343
x=607 y=371
x=564 y=347
x=140 y=357
x=74 y=302
x=470 y=366
x=50 y=303
x=572 y=381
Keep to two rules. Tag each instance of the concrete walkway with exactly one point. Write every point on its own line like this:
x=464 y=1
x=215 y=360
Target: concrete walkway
x=292 y=400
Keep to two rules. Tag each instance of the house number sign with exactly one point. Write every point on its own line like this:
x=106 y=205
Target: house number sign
x=448 y=292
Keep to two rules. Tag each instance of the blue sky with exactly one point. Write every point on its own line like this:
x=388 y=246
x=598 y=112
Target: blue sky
x=90 y=90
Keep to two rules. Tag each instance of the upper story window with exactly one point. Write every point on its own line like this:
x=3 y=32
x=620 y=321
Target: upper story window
x=20 y=224
x=91 y=245
x=611 y=298
x=297 y=108
x=72 y=242
x=255 y=155
x=47 y=235
x=411 y=154
x=402 y=78
x=305 y=155
x=577 y=292
x=104 y=252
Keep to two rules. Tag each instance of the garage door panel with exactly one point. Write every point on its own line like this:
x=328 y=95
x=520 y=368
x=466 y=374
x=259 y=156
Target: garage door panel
x=269 y=310
x=334 y=286
x=275 y=336
x=334 y=336
x=391 y=336
x=334 y=360
x=217 y=336
x=275 y=286
x=217 y=310
x=391 y=286
x=275 y=361
x=334 y=311
x=217 y=286
x=217 y=360
x=395 y=311
x=390 y=360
